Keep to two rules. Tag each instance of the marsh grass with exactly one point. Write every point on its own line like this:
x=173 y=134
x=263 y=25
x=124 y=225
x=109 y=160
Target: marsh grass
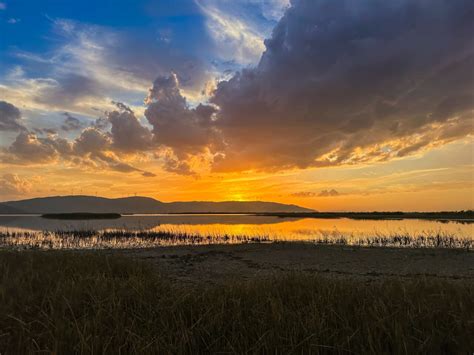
x=66 y=302
x=120 y=239
x=435 y=240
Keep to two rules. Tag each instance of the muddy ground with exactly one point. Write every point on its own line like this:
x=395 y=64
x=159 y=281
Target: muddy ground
x=216 y=263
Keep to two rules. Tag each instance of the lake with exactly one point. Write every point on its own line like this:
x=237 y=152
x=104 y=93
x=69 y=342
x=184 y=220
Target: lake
x=35 y=231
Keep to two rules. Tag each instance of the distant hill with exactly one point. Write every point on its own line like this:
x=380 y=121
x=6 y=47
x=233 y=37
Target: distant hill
x=91 y=204
x=5 y=209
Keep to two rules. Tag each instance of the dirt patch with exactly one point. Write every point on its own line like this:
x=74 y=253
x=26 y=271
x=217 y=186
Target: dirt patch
x=214 y=263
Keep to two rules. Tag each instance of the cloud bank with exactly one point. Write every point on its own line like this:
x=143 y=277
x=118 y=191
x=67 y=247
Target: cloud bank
x=348 y=82
x=339 y=83
x=92 y=148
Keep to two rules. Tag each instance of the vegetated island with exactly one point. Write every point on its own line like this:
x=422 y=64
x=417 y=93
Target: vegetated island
x=464 y=216
x=81 y=215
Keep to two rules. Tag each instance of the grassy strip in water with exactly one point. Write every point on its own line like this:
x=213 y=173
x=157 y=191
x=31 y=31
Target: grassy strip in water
x=81 y=216
x=141 y=239
x=116 y=239
x=65 y=302
x=466 y=216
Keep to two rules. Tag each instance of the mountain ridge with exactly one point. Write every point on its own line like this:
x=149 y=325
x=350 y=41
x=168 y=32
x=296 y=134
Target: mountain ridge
x=139 y=204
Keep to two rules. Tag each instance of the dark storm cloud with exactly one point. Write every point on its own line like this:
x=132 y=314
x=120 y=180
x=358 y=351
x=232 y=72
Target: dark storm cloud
x=339 y=79
x=10 y=117
x=340 y=82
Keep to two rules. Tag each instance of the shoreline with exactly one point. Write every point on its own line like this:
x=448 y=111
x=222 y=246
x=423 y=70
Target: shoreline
x=460 y=216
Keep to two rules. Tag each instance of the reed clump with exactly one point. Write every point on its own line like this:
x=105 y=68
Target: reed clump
x=435 y=240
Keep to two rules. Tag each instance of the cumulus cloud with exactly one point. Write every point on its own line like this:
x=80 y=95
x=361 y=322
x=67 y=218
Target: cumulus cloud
x=91 y=149
x=127 y=133
x=10 y=117
x=187 y=131
x=29 y=148
x=91 y=141
x=96 y=148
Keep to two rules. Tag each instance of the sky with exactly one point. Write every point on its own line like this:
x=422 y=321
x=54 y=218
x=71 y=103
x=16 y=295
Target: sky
x=329 y=104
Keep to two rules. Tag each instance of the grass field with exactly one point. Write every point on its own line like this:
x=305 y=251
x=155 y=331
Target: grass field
x=65 y=302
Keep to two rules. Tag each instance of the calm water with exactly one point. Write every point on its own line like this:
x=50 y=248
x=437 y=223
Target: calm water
x=33 y=229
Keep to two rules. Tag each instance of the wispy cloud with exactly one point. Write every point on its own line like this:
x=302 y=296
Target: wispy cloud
x=240 y=27
x=323 y=193
x=93 y=65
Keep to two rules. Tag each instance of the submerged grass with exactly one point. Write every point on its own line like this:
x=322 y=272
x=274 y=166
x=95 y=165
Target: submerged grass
x=64 y=302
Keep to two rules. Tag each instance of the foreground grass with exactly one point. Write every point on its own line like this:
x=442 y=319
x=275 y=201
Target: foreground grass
x=67 y=302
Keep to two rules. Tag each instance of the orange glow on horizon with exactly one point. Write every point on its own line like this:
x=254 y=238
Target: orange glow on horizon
x=442 y=181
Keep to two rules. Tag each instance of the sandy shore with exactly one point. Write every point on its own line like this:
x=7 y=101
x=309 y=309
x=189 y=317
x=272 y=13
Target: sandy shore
x=215 y=263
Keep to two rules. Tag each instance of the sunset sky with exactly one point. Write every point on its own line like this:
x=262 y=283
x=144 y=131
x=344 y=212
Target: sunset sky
x=328 y=104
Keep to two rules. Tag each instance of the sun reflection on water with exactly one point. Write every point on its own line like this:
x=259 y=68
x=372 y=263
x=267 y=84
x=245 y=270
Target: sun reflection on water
x=151 y=231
